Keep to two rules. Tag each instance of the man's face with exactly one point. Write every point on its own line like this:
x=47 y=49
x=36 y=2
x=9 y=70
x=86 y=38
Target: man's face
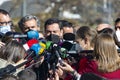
x=103 y=26
x=5 y=23
x=30 y=25
x=67 y=30
x=81 y=42
x=53 y=29
x=5 y=20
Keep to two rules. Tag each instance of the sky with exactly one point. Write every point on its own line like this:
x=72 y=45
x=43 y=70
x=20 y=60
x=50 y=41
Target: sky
x=2 y=1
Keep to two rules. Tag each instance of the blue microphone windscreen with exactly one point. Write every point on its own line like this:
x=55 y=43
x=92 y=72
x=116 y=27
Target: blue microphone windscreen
x=33 y=34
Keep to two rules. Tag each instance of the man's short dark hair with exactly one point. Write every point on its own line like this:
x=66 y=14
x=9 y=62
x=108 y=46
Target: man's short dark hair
x=66 y=23
x=117 y=20
x=51 y=21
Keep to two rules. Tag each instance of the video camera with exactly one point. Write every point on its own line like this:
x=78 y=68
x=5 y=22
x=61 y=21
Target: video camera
x=69 y=43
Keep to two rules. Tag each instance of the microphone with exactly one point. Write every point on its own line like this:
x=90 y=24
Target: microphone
x=67 y=45
x=36 y=50
x=1 y=35
x=57 y=53
x=6 y=37
x=70 y=38
x=91 y=51
x=54 y=38
x=29 y=43
x=43 y=47
x=30 y=35
x=48 y=45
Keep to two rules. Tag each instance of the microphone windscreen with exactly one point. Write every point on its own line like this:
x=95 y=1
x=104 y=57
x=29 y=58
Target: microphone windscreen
x=30 y=43
x=1 y=34
x=43 y=47
x=33 y=34
x=67 y=45
x=69 y=36
x=48 y=44
x=9 y=36
x=36 y=48
x=54 y=38
x=12 y=33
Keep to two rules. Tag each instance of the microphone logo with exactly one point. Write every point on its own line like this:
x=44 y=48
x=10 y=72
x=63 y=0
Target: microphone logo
x=43 y=47
x=38 y=48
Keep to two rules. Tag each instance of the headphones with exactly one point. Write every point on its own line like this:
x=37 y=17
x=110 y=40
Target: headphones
x=26 y=18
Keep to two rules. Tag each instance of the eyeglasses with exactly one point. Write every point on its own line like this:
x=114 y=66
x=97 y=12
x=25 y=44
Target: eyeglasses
x=6 y=23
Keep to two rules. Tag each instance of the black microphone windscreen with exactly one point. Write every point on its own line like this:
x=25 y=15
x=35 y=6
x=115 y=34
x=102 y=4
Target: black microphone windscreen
x=1 y=35
x=54 y=38
x=11 y=34
x=69 y=36
x=67 y=45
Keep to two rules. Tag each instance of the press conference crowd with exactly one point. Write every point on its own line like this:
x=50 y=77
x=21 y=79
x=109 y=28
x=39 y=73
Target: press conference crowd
x=60 y=52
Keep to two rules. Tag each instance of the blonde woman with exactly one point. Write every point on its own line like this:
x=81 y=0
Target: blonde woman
x=106 y=61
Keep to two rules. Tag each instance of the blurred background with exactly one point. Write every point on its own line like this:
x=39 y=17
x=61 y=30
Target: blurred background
x=79 y=12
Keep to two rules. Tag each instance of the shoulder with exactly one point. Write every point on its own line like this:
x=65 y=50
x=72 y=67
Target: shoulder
x=86 y=65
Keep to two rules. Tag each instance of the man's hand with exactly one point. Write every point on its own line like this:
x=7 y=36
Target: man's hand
x=1 y=44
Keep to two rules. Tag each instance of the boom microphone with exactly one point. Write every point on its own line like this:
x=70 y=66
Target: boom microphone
x=30 y=35
x=10 y=69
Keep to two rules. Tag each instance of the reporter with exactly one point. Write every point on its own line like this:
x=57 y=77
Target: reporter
x=106 y=62
x=112 y=33
x=12 y=53
x=85 y=36
x=9 y=77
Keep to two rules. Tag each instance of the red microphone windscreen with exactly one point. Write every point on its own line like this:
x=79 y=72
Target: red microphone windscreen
x=31 y=42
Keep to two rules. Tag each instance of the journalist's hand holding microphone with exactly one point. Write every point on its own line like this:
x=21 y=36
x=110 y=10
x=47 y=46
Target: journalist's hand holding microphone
x=1 y=44
x=66 y=67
